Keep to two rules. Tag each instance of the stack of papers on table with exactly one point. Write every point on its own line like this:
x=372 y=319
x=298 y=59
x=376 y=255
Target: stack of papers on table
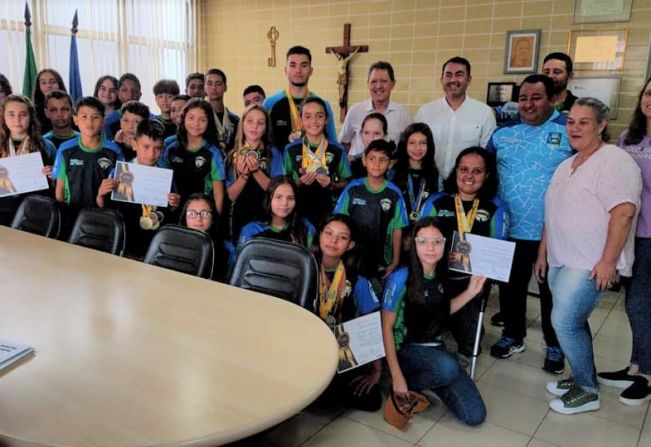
x=11 y=352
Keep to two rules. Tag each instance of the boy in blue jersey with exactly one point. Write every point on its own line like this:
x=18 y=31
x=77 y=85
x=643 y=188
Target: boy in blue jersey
x=128 y=90
x=528 y=151
x=82 y=163
x=164 y=92
x=176 y=107
x=378 y=208
x=58 y=109
x=141 y=221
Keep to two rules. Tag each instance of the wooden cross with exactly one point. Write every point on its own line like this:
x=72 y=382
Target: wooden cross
x=344 y=54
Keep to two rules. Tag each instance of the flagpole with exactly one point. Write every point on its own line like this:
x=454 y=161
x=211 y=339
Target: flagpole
x=29 y=76
x=74 y=77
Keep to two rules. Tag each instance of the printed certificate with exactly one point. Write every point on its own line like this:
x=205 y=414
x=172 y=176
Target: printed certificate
x=146 y=185
x=479 y=255
x=360 y=341
x=21 y=173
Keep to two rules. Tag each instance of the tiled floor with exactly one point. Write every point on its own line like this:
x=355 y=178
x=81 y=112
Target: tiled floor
x=514 y=392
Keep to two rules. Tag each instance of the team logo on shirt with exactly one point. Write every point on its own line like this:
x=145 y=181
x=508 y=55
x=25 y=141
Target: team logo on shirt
x=104 y=163
x=385 y=204
x=199 y=161
x=482 y=216
x=299 y=158
x=554 y=138
x=329 y=157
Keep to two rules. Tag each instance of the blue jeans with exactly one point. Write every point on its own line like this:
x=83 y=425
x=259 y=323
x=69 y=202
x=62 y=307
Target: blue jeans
x=638 y=305
x=430 y=367
x=575 y=297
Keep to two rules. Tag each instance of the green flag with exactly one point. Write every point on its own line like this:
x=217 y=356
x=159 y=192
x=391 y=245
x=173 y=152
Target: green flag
x=29 y=78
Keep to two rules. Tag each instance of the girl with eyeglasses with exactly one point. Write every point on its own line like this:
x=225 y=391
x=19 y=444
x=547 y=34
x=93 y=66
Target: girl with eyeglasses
x=415 y=309
x=280 y=219
x=199 y=213
x=468 y=205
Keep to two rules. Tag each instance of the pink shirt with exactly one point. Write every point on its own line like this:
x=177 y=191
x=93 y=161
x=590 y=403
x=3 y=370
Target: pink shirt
x=577 y=206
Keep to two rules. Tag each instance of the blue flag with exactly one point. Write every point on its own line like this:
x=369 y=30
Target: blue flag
x=29 y=76
x=74 y=81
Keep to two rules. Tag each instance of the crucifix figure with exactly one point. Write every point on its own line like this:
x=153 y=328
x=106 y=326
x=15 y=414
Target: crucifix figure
x=344 y=54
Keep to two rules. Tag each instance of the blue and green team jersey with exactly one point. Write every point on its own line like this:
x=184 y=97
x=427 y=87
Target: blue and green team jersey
x=377 y=213
x=194 y=171
x=263 y=229
x=393 y=301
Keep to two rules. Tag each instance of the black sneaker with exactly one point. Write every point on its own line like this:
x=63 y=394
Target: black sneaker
x=497 y=320
x=506 y=346
x=617 y=379
x=554 y=361
x=636 y=394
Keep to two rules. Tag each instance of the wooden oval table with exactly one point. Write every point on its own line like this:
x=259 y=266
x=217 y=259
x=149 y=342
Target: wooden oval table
x=131 y=354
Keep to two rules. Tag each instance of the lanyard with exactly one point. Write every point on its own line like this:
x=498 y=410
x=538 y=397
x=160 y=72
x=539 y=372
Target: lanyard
x=331 y=294
x=465 y=222
x=293 y=111
x=312 y=161
x=23 y=147
x=415 y=201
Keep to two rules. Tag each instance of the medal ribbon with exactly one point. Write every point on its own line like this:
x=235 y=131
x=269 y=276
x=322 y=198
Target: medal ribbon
x=310 y=158
x=415 y=202
x=293 y=111
x=465 y=222
x=331 y=294
x=223 y=126
x=23 y=147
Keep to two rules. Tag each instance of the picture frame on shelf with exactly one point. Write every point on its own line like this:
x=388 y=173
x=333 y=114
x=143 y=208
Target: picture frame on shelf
x=499 y=93
x=601 y=11
x=598 y=49
x=521 y=53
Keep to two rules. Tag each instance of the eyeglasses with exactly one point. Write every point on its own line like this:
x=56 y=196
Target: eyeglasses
x=434 y=241
x=192 y=214
x=475 y=171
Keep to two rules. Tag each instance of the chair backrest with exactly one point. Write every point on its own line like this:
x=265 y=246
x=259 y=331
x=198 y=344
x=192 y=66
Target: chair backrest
x=277 y=268
x=182 y=249
x=39 y=215
x=101 y=229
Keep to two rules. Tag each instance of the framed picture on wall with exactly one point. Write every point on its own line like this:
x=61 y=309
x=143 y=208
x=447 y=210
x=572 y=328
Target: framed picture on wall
x=605 y=89
x=601 y=11
x=499 y=93
x=521 y=51
x=602 y=49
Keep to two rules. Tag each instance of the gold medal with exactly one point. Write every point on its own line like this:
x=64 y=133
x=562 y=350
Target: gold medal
x=146 y=223
x=414 y=216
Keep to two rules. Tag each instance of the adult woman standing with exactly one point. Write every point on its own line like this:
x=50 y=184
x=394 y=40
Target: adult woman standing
x=590 y=210
x=636 y=378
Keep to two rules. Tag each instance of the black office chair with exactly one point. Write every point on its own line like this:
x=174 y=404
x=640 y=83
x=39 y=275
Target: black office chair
x=278 y=268
x=182 y=249
x=39 y=215
x=100 y=229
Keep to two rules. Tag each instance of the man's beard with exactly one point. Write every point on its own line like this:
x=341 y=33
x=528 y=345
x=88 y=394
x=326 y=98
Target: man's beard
x=559 y=87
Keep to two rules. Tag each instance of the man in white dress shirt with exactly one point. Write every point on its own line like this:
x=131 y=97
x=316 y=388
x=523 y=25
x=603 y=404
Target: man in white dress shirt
x=457 y=121
x=381 y=80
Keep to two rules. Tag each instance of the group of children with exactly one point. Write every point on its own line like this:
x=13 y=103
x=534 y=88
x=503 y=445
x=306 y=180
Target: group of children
x=243 y=187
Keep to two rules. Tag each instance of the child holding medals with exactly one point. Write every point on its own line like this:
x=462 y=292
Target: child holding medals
x=415 y=308
x=343 y=296
x=141 y=221
x=280 y=219
x=319 y=167
x=468 y=205
x=415 y=172
x=249 y=166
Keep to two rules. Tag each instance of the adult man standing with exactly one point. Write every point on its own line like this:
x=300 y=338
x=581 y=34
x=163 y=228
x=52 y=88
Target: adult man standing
x=528 y=152
x=457 y=121
x=381 y=81
x=558 y=66
x=225 y=120
x=285 y=116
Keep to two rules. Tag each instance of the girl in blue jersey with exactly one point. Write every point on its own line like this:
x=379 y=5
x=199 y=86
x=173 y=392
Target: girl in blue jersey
x=415 y=309
x=249 y=166
x=343 y=296
x=415 y=172
x=468 y=205
x=19 y=135
x=195 y=156
x=280 y=219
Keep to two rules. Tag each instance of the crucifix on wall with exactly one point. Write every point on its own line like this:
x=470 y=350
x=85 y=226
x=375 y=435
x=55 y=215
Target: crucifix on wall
x=344 y=54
